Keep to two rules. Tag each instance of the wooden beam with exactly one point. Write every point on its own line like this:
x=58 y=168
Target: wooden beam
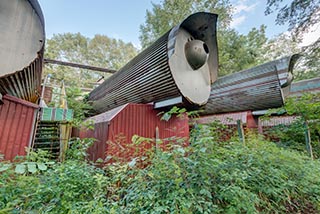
x=76 y=65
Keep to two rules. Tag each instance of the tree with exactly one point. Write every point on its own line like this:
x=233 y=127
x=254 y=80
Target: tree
x=301 y=16
x=168 y=14
x=100 y=51
x=236 y=52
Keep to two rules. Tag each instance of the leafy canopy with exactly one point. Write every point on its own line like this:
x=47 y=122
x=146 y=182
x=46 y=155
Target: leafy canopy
x=100 y=51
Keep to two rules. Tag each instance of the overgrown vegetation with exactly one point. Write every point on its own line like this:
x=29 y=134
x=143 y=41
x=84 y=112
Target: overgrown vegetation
x=208 y=176
x=293 y=136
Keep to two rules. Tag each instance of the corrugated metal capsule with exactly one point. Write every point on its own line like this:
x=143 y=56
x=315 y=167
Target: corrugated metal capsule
x=164 y=70
x=305 y=86
x=261 y=87
x=22 y=39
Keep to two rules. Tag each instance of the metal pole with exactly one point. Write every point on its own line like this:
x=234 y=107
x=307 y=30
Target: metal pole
x=76 y=65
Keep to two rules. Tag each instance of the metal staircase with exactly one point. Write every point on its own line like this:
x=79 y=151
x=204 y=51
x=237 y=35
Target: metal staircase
x=48 y=137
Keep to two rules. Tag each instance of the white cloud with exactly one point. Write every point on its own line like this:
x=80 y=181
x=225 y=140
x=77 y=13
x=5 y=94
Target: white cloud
x=237 y=21
x=240 y=9
x=311 y=36
x=242 y=6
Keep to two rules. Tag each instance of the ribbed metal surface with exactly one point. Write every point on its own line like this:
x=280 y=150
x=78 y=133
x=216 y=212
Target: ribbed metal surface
x=17 y=123
x=305 y=86
x=160 y=72
x=118 y=126
x=257 y=88
x=21 y=49
x=146 y=78
x=24 y=84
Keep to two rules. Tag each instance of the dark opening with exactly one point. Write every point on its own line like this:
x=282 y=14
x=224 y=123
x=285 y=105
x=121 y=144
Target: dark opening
x=205 y=47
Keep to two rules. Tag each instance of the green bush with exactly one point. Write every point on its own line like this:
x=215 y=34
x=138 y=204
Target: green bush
x=225 y=178
x=205 y=177
x=292 y=136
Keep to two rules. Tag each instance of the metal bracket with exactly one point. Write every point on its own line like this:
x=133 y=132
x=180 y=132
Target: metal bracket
x=168 y=102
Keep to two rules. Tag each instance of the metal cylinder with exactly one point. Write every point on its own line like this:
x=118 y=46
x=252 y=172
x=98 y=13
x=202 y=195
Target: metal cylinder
x=163 y=71
x=258 y=88
x=22 y=39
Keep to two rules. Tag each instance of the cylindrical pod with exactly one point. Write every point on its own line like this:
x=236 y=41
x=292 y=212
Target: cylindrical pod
x=258 y=88
x=22 y=39
x=183 y=62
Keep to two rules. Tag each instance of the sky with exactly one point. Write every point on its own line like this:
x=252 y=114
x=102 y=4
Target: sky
x=121 y=19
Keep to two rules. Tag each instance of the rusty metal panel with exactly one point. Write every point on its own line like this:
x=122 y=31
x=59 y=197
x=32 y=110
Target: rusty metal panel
x=114 y=134
x=162 y=71
x=227 y=118
x=262 y=87
x=305 y=86
x=21 y=49
x=274 y=121
x=17 y=123
x=231 y=118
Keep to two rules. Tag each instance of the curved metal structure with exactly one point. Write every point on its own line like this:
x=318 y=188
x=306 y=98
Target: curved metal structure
x=183 y=62
x=22 y=39
x=258 y=88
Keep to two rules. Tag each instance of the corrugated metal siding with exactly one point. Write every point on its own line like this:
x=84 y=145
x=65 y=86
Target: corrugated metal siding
x=134 y=119
x=227 y=119
x=24 y=84
x=265 y=124
x=144 y=79
x=17 y=122
x=245 y=117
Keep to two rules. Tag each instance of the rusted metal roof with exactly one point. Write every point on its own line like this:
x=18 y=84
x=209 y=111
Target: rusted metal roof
x=246 y=117
x=21 y=50
x=162 y=71
x=17 y=124
x=227 y=118
x=114 y=130
x=261 y=87
x=277 y=120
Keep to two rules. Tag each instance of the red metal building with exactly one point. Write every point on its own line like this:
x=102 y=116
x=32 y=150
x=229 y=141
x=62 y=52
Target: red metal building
x=114 y=130
x=17 y=124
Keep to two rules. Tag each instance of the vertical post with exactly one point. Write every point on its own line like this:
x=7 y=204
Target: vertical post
x=240 y=131
x=65 y=132
x=157 y=138
x=308 y=139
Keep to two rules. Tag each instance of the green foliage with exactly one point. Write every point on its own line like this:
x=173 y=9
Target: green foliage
x=169 y=13
x=306 y=106
x=76 y=102
x=238 y=52
x=300 y=15
x=207 y=176
x=100 y=51
x=78 y=148
x=293 y=137
x=307 y=109
x=178 y=112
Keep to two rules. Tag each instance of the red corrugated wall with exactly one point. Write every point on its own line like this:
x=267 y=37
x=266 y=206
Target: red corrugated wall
x=134 y=119
x=17 y=122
